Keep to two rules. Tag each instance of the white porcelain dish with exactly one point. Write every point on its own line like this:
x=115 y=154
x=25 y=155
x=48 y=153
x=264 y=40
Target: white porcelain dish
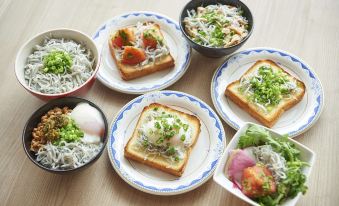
x=203 y=158
x=220 y=177
x=293 y=122
x=180 y=50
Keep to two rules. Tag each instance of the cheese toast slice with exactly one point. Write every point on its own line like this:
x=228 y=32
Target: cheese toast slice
x=267 y=117
x=135 y=148
x=129 y=72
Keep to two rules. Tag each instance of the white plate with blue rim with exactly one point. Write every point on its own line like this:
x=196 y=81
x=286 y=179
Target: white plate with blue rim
x=203 y=158
x=293 y=122
x=180 y=50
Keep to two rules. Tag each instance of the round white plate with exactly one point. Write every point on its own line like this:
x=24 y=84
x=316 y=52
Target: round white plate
x=203 y=158
x=294 y=121
x=180 y=50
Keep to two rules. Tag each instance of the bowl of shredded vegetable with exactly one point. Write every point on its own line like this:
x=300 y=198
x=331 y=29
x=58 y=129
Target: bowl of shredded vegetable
x=216 y=28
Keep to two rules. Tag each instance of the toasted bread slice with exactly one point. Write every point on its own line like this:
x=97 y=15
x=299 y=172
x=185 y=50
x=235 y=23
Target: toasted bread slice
x=129 y=72
x=266 y=118
x=134 y=151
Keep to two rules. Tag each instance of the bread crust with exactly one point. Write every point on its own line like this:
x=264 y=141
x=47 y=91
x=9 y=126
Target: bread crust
x=157 y=161
x=129 y=72
x=250 y=108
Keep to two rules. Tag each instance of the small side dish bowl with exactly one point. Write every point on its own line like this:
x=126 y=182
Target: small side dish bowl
x=214 y=51
x=68 y=34
x=221 y=178
x=33 y=121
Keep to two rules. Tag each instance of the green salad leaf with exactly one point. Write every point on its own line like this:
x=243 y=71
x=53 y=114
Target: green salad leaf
x=295 y=179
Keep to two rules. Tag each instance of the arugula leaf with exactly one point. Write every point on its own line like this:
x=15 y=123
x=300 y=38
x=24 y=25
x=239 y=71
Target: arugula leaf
x=289 y=187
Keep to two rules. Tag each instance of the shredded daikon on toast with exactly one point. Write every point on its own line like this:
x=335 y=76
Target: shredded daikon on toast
x=152 y=54
x=216 y=25
x=67 y=155
x=50 y=83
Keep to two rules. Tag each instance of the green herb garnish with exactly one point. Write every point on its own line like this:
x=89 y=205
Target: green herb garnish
x=145 y=143
x=57 y=62
x=160 y=140
x=183 y=137
x=152 y=34
x=123 y=35
x=130 y=56
x=213 y=25
x=217 y=37
x=185 y=126
x=158 y=137
x=69 y=133
x=157 y=125
x=268 y=87
x=169 y=134
x=171 y=151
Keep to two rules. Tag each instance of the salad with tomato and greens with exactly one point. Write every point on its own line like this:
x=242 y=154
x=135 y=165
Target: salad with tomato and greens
x=265 y=168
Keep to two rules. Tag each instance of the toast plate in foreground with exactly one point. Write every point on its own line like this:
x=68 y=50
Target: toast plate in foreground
x=203 y=158
x=293 y=122
x=109 y=74
x=220 y=177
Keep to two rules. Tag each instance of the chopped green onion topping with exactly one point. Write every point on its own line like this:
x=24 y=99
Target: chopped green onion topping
x=57 y=62
x=183 y=137
x=185 y=126
x=171 y=151
x=157 y=125
x=268 y=87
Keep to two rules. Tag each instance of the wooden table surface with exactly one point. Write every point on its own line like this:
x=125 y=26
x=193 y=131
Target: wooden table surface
x=306 y=28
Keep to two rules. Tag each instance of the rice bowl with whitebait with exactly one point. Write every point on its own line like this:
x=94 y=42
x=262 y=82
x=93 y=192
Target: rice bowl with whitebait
x=58 y=65
x=63 y=140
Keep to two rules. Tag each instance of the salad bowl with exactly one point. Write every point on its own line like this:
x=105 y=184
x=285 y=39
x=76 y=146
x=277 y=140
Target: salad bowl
x=220 y=177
